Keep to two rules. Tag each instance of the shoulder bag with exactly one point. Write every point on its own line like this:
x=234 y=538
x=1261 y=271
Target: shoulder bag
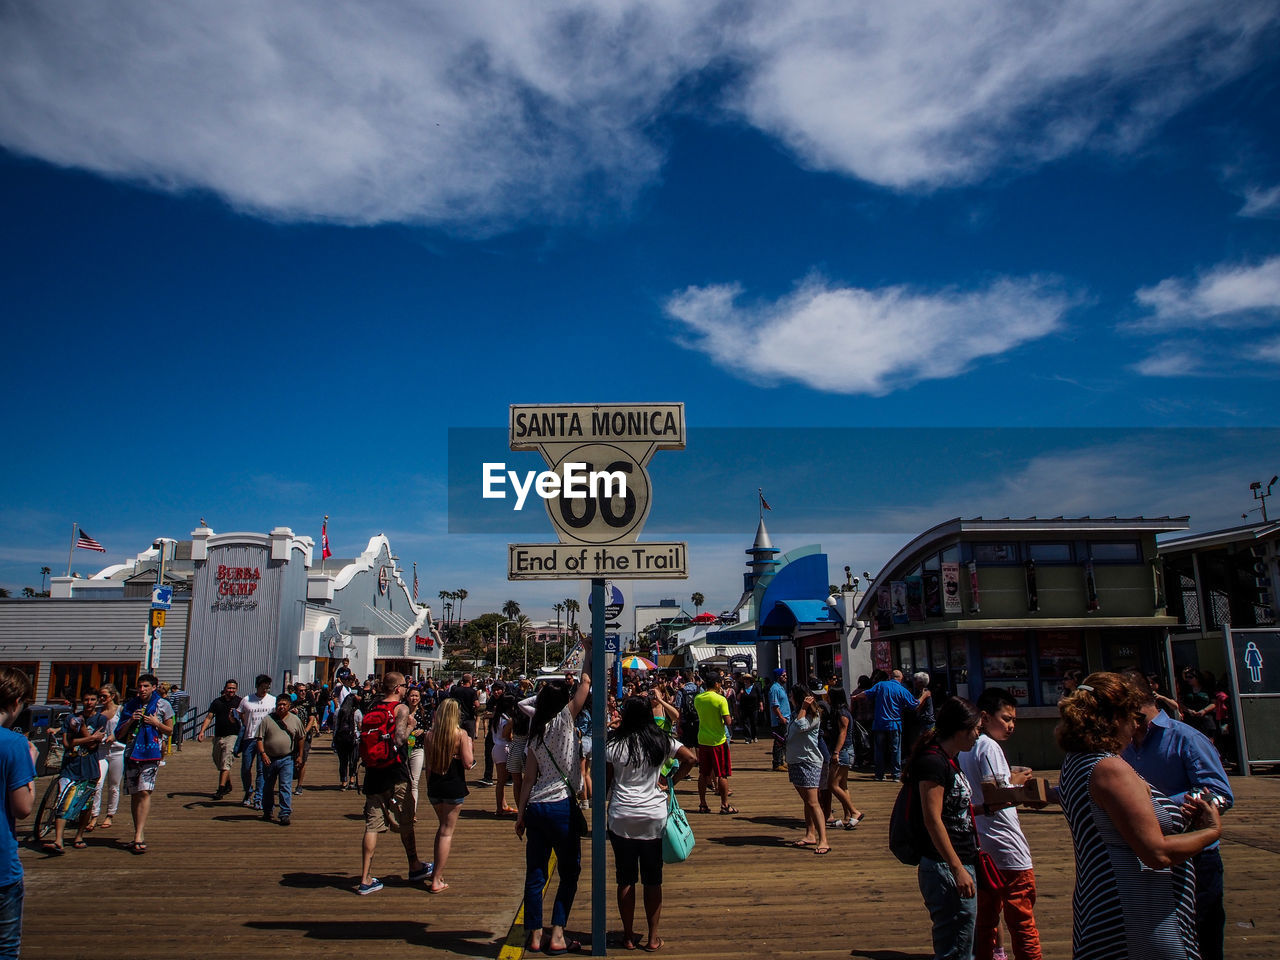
x=677 y=835
x=577 y=819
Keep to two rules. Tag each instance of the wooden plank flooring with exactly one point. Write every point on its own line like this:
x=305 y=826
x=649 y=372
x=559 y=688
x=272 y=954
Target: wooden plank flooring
x=218 y=882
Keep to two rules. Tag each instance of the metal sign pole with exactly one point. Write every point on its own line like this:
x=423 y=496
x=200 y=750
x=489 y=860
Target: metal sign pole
x=1242 y=740
x=599 y=689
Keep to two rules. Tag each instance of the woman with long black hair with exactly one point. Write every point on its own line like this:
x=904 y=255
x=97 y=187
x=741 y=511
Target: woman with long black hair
x=552 y=779
x=636 y=753
x=943 y=824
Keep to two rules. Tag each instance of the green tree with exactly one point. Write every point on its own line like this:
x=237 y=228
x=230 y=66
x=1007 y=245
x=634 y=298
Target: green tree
x=697 y=599
x=4 y=592
x=571 y=607
x=44 y=576
x=511 y=610
x=28 y=591
x=460 y=595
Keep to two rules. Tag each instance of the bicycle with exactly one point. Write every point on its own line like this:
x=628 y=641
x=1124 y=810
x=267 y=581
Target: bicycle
x=47 y=813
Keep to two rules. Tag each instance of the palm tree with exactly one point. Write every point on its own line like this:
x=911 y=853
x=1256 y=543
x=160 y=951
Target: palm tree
x=461 y=595
x=511 y=610
x=44 y=573
x=28 y=591
x=698 y=599
x=558 y=608
x=572 y=607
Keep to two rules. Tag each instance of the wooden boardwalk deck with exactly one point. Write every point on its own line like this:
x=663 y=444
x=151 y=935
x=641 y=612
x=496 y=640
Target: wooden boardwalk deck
x=218 y=882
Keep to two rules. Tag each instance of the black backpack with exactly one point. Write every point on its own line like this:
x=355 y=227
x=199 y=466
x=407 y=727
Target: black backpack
x=904 y=822
x=688 y=712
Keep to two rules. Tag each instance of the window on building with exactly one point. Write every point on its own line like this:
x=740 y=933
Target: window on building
x=1005 y=663
x=906 y=657
x=71 y=680
x=932 y=562
x=1060 y=653
x=1125 y=551
x=1050 y=552
x=995 y=552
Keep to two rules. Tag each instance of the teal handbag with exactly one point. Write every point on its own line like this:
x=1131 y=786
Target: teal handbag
x=677 y=835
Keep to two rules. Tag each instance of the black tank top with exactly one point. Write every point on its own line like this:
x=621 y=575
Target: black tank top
x=450 y=785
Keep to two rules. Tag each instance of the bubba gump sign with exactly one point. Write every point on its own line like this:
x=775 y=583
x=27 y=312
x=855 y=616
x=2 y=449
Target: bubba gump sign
x=237 y=581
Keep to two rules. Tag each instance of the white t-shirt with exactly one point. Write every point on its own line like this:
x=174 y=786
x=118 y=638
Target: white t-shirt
x=999 y=834
x=637 y=805
x=252 y=711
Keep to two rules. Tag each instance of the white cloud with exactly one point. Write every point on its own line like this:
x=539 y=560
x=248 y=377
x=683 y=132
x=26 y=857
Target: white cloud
x=852 y=340
x=1269 y=351
x=1228 y=296
x=1170 y=360
x=1260 y=202
x=482 y=113
x=935 y=92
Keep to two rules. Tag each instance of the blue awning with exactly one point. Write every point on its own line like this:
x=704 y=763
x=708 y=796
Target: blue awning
x=789 y=614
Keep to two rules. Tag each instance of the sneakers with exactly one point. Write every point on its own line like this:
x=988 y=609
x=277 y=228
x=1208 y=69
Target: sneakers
x=486 y=783
x=373 y=886
x=424 y=874
x=247 y=802
x=284 y=821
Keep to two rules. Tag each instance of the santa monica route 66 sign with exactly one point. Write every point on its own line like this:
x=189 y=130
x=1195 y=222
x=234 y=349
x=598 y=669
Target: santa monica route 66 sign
x=598 y=533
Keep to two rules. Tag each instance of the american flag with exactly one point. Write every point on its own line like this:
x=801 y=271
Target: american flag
x=86 y=542
x=415 y=583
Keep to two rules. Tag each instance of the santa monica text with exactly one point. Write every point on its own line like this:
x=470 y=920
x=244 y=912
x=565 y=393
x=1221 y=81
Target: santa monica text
x=578 y=483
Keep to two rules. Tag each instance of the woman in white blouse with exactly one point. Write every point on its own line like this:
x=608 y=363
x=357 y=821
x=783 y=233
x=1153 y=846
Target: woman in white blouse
x=552 y=779
x=635 y=754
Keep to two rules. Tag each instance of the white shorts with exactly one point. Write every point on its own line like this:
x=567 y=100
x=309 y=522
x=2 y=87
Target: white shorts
x=140 y=776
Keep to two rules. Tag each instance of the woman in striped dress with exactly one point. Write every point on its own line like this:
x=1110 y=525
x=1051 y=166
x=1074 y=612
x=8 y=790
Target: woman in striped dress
x=1134 y=897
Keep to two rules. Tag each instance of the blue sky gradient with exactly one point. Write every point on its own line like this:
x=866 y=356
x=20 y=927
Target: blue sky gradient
x=256 y=282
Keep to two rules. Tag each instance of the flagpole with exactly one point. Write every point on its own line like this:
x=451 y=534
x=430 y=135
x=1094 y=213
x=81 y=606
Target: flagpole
x=760 y=497
x=75 y=524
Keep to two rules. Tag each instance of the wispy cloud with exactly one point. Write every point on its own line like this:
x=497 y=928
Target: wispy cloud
x=482 y=113
x=852 y=340
x=1227 y=296
x=1261 y=202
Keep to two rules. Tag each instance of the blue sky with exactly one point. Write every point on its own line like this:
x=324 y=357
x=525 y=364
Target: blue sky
x=258 y=259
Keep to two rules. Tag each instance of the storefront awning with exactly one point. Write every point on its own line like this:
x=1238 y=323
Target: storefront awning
x=788 y=615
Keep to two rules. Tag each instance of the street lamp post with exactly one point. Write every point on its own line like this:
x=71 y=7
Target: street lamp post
x=496 y=628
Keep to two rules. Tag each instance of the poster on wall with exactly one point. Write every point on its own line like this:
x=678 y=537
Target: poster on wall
x=1060 y=652
x=974 y=597
x=881 y=656
x=951 y=587
x=898 y=591
x=932 y=594
x=915 y=598
x=884 y=607
x=1005 y=657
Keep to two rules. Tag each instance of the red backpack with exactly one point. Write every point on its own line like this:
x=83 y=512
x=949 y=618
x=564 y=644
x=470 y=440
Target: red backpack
x=377 y=736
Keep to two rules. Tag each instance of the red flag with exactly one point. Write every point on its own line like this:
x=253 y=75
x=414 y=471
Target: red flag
x=764 y=504
x=325 y=552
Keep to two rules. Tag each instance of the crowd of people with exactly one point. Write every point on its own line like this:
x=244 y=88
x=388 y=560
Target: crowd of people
x=1142 y=790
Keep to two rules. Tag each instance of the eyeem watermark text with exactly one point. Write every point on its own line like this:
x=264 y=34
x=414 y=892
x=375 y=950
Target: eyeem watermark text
x=578 y=483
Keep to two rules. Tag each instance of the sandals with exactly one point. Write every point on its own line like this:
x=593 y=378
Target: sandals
x=703 y=808
x=801 y=843
x=821 y=851
x=724 y=809
x=569 y=945
x=79 y=845
x=134 y=846
x=52 y=849
x=654 y=946
x=853 y=821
